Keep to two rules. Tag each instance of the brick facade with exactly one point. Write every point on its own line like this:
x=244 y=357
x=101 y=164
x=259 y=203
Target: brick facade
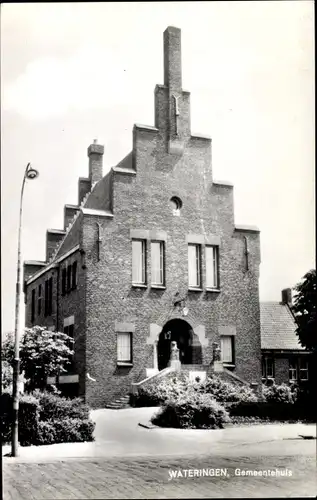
x=166 y=161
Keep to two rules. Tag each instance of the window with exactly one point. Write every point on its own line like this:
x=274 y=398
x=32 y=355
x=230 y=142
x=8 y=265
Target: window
x=176 y=204
x=48 y=298
x=212 y=267
x=268 y=368
x=227 y=355
x=64 y=277
x=303 y=369
x=74 y=275
x=69 y=330
x=138 y=262
x=124 y=347
x=33 y=306
x=69 y=279
x=194 y=258
x=157 y=263
x=39 y=300
x=292 y=370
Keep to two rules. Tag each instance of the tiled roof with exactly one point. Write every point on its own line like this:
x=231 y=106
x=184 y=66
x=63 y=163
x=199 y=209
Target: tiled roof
x=278 y=327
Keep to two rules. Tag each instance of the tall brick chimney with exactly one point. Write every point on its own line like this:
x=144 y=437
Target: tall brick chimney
x=287 y=296
x=95 y=154
x=172 y=58
x=172 y=103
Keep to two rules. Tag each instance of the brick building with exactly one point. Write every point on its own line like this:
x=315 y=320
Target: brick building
x=151 y=254
x=284 y=360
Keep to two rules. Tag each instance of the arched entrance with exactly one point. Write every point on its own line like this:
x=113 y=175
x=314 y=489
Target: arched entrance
x=180 y=331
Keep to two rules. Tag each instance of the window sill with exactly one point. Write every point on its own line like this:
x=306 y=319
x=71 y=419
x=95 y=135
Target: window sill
x=158 y=287
x=194 y=289
x=138 y=285
x=123 y=363
x=229 y=365
x=216 y=290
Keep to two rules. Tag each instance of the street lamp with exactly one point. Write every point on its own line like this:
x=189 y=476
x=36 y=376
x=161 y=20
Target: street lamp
x=30 y=173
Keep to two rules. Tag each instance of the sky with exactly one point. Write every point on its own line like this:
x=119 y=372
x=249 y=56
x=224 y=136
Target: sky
x=75 y=72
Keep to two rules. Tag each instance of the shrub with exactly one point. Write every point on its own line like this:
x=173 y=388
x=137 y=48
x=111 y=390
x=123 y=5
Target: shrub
x=192 y=410
x=224 y=392
x=55 y=407
x=279 y=393
x=6 y=376
x=167 y=389
x=67 y=430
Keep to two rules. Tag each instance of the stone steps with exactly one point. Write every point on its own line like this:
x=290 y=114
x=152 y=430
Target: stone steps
x=119 y=403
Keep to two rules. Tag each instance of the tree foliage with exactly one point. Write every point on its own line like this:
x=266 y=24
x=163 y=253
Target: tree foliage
x=43 y=353
x=304 y=309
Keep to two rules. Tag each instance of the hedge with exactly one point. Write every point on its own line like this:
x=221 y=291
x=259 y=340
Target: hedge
x=45 y=418
x=279 y=411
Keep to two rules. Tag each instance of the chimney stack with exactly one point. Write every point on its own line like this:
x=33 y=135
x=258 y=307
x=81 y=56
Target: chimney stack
x=287 y=296
x=95 y=154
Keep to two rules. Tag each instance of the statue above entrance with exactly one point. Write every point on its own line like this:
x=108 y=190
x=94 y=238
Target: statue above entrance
x=174 y=361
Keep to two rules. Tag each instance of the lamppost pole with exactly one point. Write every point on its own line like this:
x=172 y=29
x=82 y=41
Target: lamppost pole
x=30 y=173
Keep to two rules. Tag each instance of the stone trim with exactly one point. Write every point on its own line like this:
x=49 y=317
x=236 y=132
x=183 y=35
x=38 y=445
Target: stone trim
x=246 y=228
x=227 y=330
x=139 y=234
x=124 y=327
x=148 y=128
x=158 y=235
x=223 y=183
x=208 y=239
x=201 y=136
x=99 y=213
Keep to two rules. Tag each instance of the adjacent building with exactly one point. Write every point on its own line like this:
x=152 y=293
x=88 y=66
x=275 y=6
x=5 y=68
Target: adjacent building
x=151 y=254
x=284 y=360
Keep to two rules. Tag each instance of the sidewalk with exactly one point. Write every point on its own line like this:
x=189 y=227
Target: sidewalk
x=118 y=434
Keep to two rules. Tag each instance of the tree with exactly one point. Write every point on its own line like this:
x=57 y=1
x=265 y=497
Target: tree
x=43 y=353
x=304 y=309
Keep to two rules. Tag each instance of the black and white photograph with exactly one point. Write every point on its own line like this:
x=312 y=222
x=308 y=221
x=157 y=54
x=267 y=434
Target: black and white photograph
x=158 y=277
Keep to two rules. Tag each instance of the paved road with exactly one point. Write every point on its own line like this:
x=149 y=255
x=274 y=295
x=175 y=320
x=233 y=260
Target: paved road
x=149 y=477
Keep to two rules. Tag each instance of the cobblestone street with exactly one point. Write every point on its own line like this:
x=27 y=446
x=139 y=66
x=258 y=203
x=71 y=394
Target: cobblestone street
x=150 y=478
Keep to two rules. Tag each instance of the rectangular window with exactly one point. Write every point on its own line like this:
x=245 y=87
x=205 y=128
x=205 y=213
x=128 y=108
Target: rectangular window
x=138 y=262
x=33 y=306
x=212 y=267
x=64 y=278
x=69 y=330
x=74 y=275
x=48 y=297
x=268 y=368
x=194 y=258
x=39 y=300
x=157 y=263
x=124 y=347
x=292 y=370
x=303 y=369
x=69 y=278
x=227 y=349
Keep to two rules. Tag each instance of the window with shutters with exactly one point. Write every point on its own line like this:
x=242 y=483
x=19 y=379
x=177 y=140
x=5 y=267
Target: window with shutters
x=157 y=263
x=212 y=271
x=227 y=349
x=138 y=262
x=194 y=266
x=124 y=348
x=33 y=306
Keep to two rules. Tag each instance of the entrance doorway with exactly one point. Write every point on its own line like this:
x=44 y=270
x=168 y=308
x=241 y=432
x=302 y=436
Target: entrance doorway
x=180 y=331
